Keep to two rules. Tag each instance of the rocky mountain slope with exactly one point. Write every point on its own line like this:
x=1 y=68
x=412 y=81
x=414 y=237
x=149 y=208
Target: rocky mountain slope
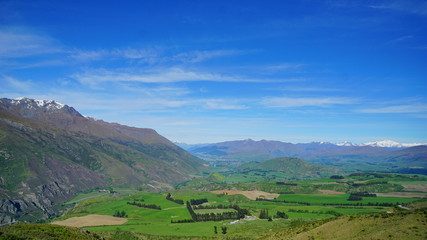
x=49 y=151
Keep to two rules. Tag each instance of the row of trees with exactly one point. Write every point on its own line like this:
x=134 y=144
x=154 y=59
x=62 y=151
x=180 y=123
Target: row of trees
x=170 y=198
x=363 y=194
x=151 y=206
x=118 y=213
x=279 y=214
x=219 y=206
x=198 y=201
x=182 y=221
x=223 y=230
x=263 y=214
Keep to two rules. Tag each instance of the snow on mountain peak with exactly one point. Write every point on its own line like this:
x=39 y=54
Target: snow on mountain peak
x=383 y=143
x=346 y=144
x=31 y=103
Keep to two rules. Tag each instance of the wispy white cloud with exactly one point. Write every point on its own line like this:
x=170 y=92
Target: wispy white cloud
x=223 y=104
x=309 y=89
x=284 y=66
x=400 y=39
x=91 y=55
x=93 y=77
x=418 y=7
x=284 y=102
x=17 y=43
x=150 y=55
x=17 y=85
x=409 y=108
x=11 y=64
x=274 y=68
x=156 y=91
x=200 y=56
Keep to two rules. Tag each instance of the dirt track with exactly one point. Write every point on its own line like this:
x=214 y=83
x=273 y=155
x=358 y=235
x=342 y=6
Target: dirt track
x=91 y=220
x=249 y=194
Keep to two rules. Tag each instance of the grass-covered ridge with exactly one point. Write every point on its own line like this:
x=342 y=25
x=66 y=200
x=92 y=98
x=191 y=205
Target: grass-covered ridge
x=385 y=226
x=24 y=231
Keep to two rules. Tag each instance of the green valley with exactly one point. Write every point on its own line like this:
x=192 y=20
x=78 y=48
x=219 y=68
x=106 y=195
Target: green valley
x=311 y=208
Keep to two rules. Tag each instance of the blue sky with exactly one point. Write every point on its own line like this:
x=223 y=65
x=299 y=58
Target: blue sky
x=199 y=71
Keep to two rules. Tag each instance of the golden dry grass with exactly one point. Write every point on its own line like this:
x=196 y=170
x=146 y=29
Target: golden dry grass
x=91 y=220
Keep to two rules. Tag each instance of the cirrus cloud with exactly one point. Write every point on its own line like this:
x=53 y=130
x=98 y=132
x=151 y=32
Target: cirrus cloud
x=286 y=102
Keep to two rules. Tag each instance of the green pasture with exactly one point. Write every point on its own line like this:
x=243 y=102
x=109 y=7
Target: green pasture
x=310 y=212
x=158 y=222
x=318 y=199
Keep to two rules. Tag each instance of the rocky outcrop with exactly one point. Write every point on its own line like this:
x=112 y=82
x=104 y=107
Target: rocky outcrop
x=39 y=203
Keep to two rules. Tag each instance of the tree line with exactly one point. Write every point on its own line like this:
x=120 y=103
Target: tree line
x=198 y=201
x=219 y=206
x=121 y=214
x=170 y=198
x=363 y=194
x=151 y=206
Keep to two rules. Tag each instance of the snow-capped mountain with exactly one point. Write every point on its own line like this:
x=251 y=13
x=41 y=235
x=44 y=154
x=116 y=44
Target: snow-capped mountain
x=346 y=144
x=32 y=103
x=383 y=143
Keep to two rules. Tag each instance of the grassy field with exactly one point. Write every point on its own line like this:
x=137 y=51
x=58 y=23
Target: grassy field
x=399 y=225
x=319 y=199
x=158 y=222
x=304 y=204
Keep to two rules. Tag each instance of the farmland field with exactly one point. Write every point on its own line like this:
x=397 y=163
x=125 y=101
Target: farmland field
x=317 y=200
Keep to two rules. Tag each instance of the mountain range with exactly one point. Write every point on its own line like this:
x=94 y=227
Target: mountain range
x=49 y=152
x=382 y=143
x=347 y=157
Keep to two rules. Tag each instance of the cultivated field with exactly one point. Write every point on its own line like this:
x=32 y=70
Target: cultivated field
x=302 y=201
x=91 y=220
